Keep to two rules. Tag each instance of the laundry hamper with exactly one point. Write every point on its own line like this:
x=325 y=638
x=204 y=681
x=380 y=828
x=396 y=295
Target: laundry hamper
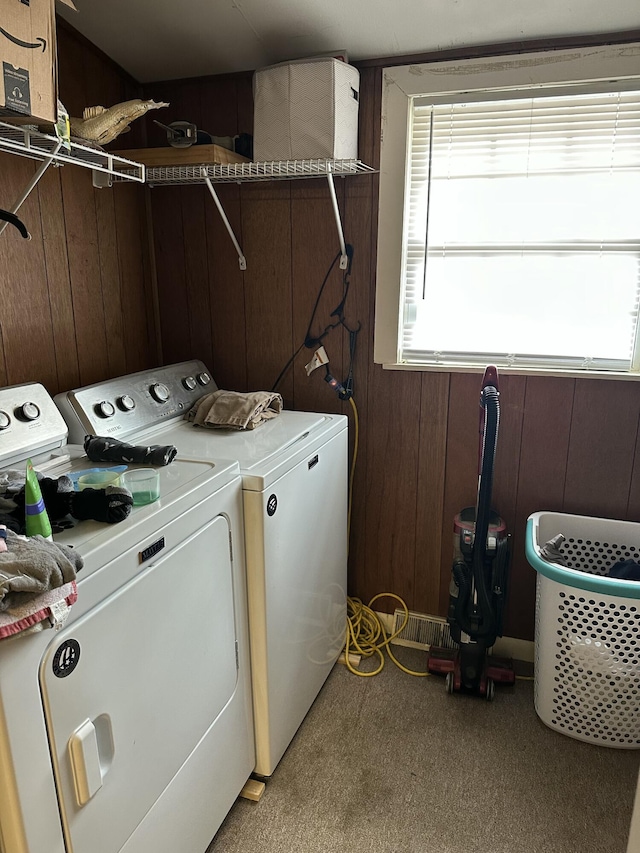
x=587 y=666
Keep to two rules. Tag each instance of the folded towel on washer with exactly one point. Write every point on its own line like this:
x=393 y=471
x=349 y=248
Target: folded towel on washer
x=49 y=609
x=101 y=449
x=235 y=410
x=33 y=565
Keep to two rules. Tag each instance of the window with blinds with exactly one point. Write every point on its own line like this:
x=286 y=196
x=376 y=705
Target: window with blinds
x=521 y=240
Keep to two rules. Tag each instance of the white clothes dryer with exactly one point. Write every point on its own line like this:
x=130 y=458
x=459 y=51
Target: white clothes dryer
x=129 y=729
x=295 y=481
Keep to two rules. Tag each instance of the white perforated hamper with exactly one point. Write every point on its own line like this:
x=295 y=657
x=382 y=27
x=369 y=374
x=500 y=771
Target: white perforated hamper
x=587 y=665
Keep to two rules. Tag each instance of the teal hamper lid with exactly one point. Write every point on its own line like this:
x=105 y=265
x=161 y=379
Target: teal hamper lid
x=575 y=578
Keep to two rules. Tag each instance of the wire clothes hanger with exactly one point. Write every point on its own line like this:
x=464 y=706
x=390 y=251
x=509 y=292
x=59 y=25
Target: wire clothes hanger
x=12 y=219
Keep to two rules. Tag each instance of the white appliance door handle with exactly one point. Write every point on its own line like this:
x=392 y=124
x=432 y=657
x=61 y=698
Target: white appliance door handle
x=85 y=762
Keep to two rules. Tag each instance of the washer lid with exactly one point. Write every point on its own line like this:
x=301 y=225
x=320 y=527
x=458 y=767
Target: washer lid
x=183 y=484
x=264 y=453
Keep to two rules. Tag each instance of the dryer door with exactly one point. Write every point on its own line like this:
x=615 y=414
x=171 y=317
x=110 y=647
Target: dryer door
x=131 y=688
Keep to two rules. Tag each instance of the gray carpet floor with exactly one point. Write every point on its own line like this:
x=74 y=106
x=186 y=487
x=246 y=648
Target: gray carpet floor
x=393 y=764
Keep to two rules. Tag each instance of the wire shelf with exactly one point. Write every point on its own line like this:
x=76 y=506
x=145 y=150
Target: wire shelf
x=29 y=142
x=253 y=171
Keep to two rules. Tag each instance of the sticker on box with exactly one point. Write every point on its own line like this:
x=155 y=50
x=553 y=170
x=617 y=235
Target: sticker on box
x=16 y=87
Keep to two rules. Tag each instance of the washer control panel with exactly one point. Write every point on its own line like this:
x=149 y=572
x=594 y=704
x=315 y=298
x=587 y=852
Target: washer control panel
x=30 y=423
x=127 y=404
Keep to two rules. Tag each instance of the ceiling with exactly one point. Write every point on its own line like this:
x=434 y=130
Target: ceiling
x=167 y=39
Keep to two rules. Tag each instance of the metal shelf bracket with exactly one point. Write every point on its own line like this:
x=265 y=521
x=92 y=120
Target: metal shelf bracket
x=210 y=173
x=344 y=260
x=26 y=141
x=34 y=180
x=214 y=195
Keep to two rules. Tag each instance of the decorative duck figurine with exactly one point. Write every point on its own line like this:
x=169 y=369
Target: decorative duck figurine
x=100 y=125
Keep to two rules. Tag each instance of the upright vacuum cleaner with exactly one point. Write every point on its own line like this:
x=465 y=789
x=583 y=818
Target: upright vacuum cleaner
x=479 y=576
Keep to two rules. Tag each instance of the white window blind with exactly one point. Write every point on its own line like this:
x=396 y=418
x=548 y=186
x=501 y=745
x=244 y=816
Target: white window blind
x=522 y=232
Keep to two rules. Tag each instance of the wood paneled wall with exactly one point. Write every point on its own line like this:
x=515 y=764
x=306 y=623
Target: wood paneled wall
x=565 y=444
x=77 y=299
x=79 y=305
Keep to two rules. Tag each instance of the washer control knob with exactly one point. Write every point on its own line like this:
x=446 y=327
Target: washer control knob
x=189 y=383
x=28 y=412
x=126 y=403
x=5 y=420
x=204 y=378
x=105 y=409
x=160 y=392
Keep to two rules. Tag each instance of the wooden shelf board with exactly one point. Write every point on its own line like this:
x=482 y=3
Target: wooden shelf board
x=195 y=154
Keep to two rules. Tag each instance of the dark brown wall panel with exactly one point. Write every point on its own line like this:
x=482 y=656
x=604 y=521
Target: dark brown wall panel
x=314 y=248
x=546 y=427
x=69 y=293
x=166 y=204
x=604 y=429
x=432 y=444
x=196 y=269
x=86 y=279
x=633 y=509
x=227 y=301
x=392 y=421
x=136 y=289
x=266 y=235
x=58 y=278
x=110 y=283
x=27 y=329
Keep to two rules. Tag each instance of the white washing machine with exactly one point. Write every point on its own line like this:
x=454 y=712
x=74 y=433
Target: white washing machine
x=295 y=480
x=130 y=729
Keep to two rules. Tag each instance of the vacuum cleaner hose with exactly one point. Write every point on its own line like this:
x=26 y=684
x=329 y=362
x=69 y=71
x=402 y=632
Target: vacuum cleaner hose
x=490 y=401
x=491 y=404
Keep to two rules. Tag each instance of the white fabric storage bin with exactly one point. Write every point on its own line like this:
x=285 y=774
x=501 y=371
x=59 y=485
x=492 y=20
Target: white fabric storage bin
x=306 y=110
x=587 y=669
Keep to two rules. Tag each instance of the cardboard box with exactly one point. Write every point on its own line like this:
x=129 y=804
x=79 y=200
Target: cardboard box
x=306 y=110
x=194 y=155
x=28 y=62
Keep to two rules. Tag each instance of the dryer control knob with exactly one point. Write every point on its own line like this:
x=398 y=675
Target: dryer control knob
x=5 y=420
x=28 y=412
x=126 y=403
x=160 y=392
x=204 y=378
x=105 y=409
x=189 y=383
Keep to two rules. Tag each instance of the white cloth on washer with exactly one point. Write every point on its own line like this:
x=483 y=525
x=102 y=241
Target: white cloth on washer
x=235 y=410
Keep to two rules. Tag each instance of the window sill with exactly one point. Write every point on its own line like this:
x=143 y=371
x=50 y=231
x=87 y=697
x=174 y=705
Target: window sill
x=505 y=370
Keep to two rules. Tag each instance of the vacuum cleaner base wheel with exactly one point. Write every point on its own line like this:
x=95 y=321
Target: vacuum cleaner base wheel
x=447 y=662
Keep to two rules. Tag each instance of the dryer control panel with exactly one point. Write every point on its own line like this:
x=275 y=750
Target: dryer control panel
x=128 y=404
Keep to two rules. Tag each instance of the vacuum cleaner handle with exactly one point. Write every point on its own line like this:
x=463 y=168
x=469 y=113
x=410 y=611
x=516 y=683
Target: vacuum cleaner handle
x=490 y=379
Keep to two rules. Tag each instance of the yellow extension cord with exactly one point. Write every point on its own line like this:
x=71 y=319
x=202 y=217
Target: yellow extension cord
x=365 y=634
